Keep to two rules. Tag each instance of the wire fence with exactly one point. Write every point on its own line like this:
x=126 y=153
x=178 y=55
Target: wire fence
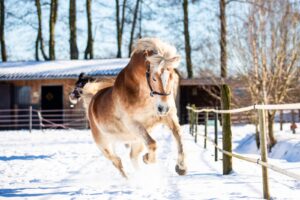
x=29 y=118
x=193 y=121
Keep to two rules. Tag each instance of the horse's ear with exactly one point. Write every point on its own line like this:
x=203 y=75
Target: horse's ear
x=175 y=59
x=146 y=53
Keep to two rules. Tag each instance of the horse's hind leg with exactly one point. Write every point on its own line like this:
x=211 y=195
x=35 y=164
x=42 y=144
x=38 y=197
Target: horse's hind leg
x=136 y=149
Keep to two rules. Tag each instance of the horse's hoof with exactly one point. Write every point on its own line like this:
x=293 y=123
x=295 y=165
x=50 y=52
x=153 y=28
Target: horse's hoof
x=146 y=158
x=180 y=171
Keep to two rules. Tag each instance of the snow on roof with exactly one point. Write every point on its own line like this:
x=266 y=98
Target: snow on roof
x=60 y=69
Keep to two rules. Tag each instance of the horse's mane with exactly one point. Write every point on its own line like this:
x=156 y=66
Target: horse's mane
x=163 y=54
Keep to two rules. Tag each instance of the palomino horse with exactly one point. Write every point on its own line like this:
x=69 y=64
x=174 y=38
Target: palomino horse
x=140 y=98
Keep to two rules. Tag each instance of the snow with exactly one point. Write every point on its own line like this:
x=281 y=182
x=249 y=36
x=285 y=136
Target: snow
x=65 y=164
x=60 y=68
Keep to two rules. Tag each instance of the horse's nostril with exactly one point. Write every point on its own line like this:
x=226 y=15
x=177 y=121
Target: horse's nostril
x=167 y=109
x=160 y=108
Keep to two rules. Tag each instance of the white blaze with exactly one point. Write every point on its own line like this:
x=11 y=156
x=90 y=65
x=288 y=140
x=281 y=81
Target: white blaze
x=165 y=78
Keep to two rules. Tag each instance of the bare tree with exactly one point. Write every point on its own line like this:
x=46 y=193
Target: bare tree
x=187 y=39
x=272 y=59
x=89 y=50
x=73 y=35
x=39 y=43
x=133 y=25
x=120 y=25
x=2 y=25
x=52 y=22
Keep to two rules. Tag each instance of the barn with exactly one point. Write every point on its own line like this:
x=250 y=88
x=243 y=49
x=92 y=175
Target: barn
x=35 y=94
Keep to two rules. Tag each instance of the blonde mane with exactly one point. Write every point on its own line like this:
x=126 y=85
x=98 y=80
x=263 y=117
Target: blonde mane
x=164 y=55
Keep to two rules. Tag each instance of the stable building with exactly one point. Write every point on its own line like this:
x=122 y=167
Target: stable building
x=45 y=86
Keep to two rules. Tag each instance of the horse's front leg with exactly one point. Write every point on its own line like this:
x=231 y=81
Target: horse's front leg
x=148 y=141
x=176 y=130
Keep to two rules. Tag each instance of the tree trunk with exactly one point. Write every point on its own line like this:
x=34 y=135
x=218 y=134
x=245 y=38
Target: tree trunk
x=89 y=50
x=281 y=120
x=2 y=25
x=73 y=36
x=226 y=127
x=271 y=117
x=187 y=39
x=135 y=12
x=120 y=26
x=39 y=43
x=52 y=22
x=140 y=20
x=225 y=92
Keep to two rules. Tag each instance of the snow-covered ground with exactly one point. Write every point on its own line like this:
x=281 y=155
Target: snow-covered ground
x=65 y=164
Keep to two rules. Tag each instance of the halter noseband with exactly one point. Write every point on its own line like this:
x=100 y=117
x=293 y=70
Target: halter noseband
x=153 y=92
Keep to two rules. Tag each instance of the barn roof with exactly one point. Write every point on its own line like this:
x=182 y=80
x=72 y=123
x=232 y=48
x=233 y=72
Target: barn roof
x=60 y=69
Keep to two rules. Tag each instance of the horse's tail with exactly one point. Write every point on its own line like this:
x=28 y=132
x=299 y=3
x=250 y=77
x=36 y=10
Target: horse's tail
x=91 y=88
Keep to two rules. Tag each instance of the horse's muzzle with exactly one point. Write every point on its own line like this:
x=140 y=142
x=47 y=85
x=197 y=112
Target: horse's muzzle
x=162 y=110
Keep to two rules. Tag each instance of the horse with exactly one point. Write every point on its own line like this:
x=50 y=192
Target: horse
x=141 y=97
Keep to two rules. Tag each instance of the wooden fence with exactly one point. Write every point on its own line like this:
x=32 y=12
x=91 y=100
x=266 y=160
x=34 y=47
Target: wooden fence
x=15 y=119
x=193 y=121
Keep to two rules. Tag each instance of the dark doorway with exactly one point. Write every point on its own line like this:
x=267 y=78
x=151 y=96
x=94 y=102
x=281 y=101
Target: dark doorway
x=6 y=100
x=52 y=104
x=199 y=96
x=6 y=104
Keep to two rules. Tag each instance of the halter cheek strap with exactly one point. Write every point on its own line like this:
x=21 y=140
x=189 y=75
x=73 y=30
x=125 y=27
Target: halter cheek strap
x=153 y=92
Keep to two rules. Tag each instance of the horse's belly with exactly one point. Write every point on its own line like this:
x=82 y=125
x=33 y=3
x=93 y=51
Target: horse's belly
x=118 y=133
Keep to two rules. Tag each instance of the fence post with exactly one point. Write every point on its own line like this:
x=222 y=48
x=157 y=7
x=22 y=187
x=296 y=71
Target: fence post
x=190 y=119
x=30 y=119
x=193 y=119
x=205 y=129
x=216 y=136
x=196 y=132
x=263 y=150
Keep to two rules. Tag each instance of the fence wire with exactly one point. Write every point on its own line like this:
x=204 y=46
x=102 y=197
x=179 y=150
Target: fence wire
x=245 y=109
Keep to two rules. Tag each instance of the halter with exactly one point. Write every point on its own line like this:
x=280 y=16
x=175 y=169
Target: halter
x=153 y=92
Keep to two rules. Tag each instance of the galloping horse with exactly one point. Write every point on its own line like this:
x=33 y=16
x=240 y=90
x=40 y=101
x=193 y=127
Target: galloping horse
x=141 y=97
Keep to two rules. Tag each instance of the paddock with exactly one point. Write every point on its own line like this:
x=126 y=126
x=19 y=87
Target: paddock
x=65 y=164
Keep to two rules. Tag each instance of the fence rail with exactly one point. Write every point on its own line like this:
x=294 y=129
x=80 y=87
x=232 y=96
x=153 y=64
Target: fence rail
x=193 y=120
x=12 y=119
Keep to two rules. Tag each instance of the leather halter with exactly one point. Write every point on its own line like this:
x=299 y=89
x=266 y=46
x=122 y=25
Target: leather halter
x=153 y=92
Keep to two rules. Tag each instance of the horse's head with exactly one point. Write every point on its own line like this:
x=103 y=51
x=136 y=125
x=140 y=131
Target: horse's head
x=161 y=76
x=75 y=95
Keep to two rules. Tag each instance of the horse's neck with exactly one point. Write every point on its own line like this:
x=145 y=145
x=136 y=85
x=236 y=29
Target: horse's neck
x=132 y=79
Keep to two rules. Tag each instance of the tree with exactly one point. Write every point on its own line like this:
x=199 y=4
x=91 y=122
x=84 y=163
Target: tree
x=120 y=25
x=39 y=43
x=2 y=25
x=134 y=20
x=89 y=50
x=52 y=22
x=225 y=92
x=187 y=39
x=73 y=36
x=271 y=60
